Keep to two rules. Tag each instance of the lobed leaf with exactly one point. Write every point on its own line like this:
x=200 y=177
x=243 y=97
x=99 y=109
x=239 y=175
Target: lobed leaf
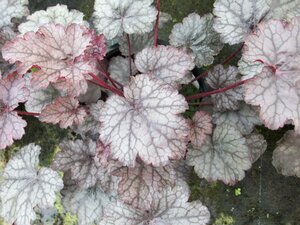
x=257 y=145
x=219 y=77
x=139 y=185
x=12 y=9
x=224 y=157
x=79 y=157
x=137 y=43
x=197 y=34
x=286 y=155
x=25 y=186
x=201 y=128
x=113 y=17
x=59 y=51
x=235 y=19
x=39 y=99
x=164 y=62
x=64 y=111
x=58 y=14
x=13 y=91
x=87 y=204
x=172 y=208
x=119 y=69
x=145 y=123
x=244 y=119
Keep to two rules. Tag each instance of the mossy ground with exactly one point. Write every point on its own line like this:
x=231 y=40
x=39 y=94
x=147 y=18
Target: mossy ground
x=264 y=197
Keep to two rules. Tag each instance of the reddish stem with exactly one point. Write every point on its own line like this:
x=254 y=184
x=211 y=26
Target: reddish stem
x=101 y=83
x=220 y=90
x=105 y=74
x=23 y=113
x=204 y=74
x=200 y=103
x=129 y=52
x=233 y=55
x=156 y=23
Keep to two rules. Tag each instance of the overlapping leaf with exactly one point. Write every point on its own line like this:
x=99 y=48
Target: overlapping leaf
x=145 y=123
x=12 y=8
x=202 y=128
x=244 y=119
x=13 y=91
x=287 y=154
x=64 y=111
x=224 y=157
x=113 y=17
x=166 y=63
x=119 y=69
x=87 y=204
x=276 y=89
x=38 y=99
x=79 y=157
x=249 y=69
x=137 y=43
x=171 y=209
x=236 y=18
x=257 y=145
x=197 y=34
x=219 y=77
x=57 y=50
x=138 y=186
x=58 y=14
x=25 y=187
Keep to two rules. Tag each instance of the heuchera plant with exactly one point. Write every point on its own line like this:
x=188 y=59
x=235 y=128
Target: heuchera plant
x=135 y=142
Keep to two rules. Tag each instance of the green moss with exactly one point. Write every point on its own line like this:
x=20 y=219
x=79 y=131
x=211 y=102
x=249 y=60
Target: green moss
x=87 y=7
x=224 y=220
x=69 y=219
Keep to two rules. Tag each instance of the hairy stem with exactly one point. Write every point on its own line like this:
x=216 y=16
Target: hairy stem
x=101 y=83
x=204 y=74
x=220 y=90
x=129 y=52
x=23 y=113
x=156 y=23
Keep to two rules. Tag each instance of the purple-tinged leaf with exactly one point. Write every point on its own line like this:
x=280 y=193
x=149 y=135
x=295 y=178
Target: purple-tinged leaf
x=257 y=146
x=139 y=185
x=164 y=62
x=201 y=128
x=39 y=99
x=59 y=51
x=224 y=157
x=79 y=157
x=25 y=187
x=244 y=119
x=12 y=9
x=65 y=111
x=11 y=128
x=119 y=69
x=58 y=14
x=197 y=34
x=113 y=17
x=137 y=43
x=13 y=91
x=286 y=156
x=278 y=96
x=172 y=208
x=145 y=123
x=219 y=77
